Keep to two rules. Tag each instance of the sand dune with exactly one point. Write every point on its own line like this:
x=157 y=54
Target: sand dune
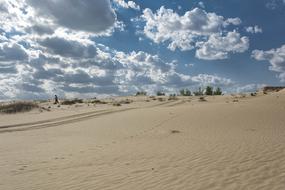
x=178 y=144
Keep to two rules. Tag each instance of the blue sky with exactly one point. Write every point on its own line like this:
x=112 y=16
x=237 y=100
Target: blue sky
x=102 y=47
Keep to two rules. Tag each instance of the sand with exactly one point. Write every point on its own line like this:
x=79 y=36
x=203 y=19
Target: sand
x=226 y=142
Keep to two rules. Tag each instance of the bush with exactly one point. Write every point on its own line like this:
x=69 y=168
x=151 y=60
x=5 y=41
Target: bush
x=71 y=102
x=98 y=102
x=18 y=107
x=116 y=104
x=126 y=101
x=159 y=93
x=172 y=97
x=199 y=92
x=202 y=99
x=185 y=92
x=218 y=91
x=209 y=91
x=141 y=93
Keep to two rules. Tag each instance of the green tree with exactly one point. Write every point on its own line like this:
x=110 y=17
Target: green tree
x=199 y=92
x=218 y=91
x=185 y=92
x=209 y=91
x=159 y=93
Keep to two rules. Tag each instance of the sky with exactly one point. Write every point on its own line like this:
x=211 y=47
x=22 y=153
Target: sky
x=91 y=48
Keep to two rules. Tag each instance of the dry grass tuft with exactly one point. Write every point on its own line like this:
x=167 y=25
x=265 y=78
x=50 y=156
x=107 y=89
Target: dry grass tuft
x=18 y=107
x=71 y=102
x=175 y=131
x=202 y=99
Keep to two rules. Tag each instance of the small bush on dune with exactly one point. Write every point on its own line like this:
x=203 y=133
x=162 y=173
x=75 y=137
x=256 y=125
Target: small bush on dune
x=172 y=97
x=71 y=102
x=18 y=107
x=126 y=101
x=141 y=93
x=98 y=102
x=159 y=93
x=116 y=104
x=202 y=99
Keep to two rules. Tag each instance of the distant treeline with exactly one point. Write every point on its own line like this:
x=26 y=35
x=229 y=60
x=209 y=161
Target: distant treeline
x=209 y=91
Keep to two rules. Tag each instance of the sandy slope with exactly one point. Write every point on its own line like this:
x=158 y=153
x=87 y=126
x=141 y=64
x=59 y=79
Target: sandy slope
x=183 y=144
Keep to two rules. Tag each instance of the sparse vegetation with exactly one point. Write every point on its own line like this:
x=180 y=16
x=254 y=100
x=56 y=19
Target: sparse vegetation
x=199 y=92
x=202 y=99
x=185 y=92
x=96 y=101
x=175 y=131
x=253 y=94
x=172 y=97
x=126 y=101
x=116 y=104
x=209 y=91
x=161 y=99
x=71 y=102
x=18 y=107
x=141 y=93
x=218 y=91
x=159 y=93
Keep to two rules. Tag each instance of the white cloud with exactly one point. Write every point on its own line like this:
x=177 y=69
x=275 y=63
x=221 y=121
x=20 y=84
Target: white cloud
x=195 y=29
x=249 y=87
x=254 y=29
x=201 y=4
x=91 y=16
x=276 y=58
x=218 y=47
x=128 y=4
x=274 y=4
x=43 y=55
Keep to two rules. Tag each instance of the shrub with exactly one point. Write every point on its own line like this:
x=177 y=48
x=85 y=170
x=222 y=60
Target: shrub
x=116 y=104
x=18 y=107
x=159 y=93
x=209 y=91
x=141 y=93
x=202 y=99
x=98 y=102
x=218 y=91
x=126 y=101
x=172 y=97
x=71 y=102
x=199 y=92
x=185 y=92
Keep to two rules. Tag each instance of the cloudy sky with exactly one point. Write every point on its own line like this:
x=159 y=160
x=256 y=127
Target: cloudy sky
x=93 y=48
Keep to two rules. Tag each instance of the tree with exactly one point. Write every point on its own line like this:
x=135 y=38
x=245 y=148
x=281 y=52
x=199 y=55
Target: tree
x=185 y=92
x=159 y=93
x=141 y=93
x=218 y=91
x=199 y=92
x=209 y=91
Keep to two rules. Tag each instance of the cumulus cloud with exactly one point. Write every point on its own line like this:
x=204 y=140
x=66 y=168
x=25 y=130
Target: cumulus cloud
x=91 y=16
x=63 y=47
x=274 y=4
x=128 y=4
x=201 y=4
x=196 y=28
x=276 y=58
x=54 y=53
x=254 y=29
x=218 y=47
x=12 y=52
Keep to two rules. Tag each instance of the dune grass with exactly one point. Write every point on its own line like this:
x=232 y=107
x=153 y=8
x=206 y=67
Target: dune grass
x=18 y=107
x=71 y=102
